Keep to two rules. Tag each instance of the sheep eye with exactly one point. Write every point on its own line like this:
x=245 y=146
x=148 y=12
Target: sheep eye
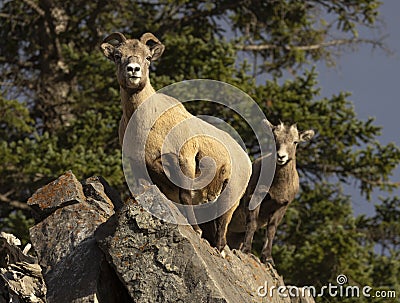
x=117 y=57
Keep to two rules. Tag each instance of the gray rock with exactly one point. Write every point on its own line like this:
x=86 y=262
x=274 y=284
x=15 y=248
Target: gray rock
x=105 y=197
x=21 y=277
x=10 y=238
x=10 y=253
x=57 y=236
x=64 y=240
x=161 y=262
x=84 y=276
x=88 y=253
x=302 y=296
x=65 y=190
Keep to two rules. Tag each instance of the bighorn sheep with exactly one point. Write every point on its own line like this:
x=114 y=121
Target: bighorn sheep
x=132 y=58
x=284 y=187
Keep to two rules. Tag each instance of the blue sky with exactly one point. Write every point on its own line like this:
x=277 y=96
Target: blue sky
x=373 y=78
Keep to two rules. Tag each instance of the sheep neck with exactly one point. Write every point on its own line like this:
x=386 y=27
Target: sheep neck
x=286 y=181
x=131 y=99
x=286 y=172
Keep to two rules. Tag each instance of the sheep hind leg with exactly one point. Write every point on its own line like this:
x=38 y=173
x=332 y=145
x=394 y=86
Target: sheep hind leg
x=251 y=227
x=185 y=198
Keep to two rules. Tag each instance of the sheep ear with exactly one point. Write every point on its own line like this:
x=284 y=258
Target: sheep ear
x=110 y=42
x=108 y=50
x=156 y=51
x=269 y=124
x=306 y=135
x=156 y=47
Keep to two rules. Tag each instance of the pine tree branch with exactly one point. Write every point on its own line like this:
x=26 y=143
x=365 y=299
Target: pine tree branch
x=35 y=7
x=336 y=42
x=314 y=170
x=14 y=203
x=380 y=182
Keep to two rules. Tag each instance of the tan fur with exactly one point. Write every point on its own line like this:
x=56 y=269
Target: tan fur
x=131 y=55
x=282 y=192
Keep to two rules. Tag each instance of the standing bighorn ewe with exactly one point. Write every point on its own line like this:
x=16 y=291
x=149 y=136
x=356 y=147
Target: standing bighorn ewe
x=132 y=58
x=284 y=187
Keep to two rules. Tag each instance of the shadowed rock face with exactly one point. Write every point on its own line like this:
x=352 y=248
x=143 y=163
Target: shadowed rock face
x=73 y=265
x=88 y=253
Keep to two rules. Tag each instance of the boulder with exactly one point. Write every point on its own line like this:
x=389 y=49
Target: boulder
x=21 y=277
x=72 y=263
x=93 y=248
x=163 y=262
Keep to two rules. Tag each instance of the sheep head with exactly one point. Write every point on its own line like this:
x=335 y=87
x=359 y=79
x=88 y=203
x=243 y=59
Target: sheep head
x=286 y=139
x=132 y=58
x=213 y=190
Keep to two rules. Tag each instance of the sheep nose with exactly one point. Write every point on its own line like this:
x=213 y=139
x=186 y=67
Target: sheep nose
x=133 y=67
x=281 y=158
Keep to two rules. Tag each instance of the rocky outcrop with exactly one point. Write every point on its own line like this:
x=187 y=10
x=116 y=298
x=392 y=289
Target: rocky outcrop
x=93 y=248
x=161 y=262
x=74 y=268
x=20 y=275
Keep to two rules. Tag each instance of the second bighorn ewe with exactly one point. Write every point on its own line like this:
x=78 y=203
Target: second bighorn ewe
x=283 y=190
x=132 y=58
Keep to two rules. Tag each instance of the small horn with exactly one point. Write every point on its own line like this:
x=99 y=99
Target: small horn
x=115 y=36
x=149 y=37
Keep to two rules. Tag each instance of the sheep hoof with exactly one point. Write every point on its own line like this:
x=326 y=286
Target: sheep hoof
x=198 y=230
x=245 y=250
x=223 y=254
x=268 y=261
x=224 y=251
x=255 y=258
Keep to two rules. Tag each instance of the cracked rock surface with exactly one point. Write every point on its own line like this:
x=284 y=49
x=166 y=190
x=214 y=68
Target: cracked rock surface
x=91 y=247
x=162 y=262
x=21 y=277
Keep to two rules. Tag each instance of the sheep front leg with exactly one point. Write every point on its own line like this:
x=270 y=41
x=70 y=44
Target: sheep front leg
x=266 y=253
x=251 y=227
x=223 y=221
x=187 y=164
x=209 y=232
x=185 y=197
x=222 y=228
